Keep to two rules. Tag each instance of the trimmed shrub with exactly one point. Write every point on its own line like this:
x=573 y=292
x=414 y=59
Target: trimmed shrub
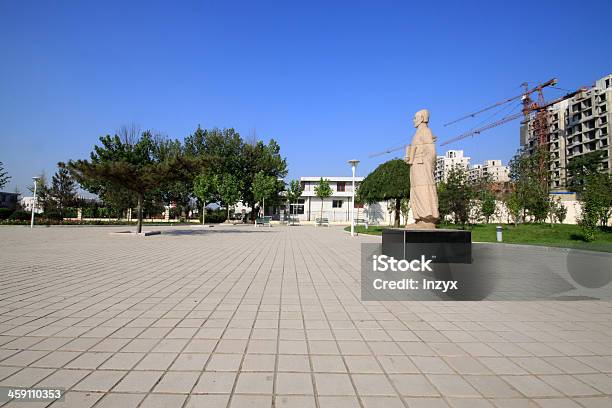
x=52 y=215
x=21 y=215
x=216 y=216
x=5 y=213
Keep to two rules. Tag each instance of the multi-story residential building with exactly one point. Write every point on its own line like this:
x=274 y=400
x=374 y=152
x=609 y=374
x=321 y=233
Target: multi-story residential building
x=577 y=125
x=494 y=168
x=450 y=159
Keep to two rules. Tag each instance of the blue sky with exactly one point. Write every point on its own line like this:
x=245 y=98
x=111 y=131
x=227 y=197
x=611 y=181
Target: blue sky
x=330 y=81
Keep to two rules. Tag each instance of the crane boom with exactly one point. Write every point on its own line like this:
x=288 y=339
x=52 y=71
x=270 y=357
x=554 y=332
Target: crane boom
x=482 y=129
x=550 y=82
x=390 y=150
x=510 y=118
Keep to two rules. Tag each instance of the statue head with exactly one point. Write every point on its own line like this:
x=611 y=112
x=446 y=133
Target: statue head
x=421 y=116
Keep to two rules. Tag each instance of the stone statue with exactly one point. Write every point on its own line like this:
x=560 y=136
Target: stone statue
x=421 y=156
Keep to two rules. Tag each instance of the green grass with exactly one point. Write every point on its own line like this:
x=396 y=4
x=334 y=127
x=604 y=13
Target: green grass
x=560 y=235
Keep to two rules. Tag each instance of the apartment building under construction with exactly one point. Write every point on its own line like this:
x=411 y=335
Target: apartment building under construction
x=577 y=125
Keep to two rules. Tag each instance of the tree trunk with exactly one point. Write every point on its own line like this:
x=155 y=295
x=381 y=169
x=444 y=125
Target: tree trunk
x=321 y=216
x=228 y=220
x=139 y=211
x=398 y=207
x=203 y=212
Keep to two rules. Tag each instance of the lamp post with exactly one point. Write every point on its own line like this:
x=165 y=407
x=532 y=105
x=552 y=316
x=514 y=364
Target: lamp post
x=353 y=164
x=34 y=201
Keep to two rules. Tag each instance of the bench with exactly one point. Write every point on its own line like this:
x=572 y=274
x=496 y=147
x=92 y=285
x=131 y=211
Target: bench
x=319 y=222
x=263 y=221
x=294 y=221
x=361 y=221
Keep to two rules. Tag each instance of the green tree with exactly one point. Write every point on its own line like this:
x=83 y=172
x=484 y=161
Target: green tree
x=136 y=165
x=456 y=195
x=483 y=192
x=557 y=211
x=263 y=187
x=513 y=205
x=529 y=174
x=487 y=204
x=582 y=167
x=229 y=191
x=323 y=190
x=4 y=177
x=294 y=192
x=389 y=181
x=261 y=158
x=44 y=201
x=405 y=208
x=206 y=187
x=63 y=188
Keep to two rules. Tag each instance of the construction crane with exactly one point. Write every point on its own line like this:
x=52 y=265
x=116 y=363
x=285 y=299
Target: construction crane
x=529 y=106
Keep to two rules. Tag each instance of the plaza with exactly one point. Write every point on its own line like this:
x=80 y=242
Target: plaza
x=237 y=316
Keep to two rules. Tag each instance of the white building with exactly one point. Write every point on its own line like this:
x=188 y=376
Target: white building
x=450 y=159
x=336 y=208
x=498 y=172
x=28 y=202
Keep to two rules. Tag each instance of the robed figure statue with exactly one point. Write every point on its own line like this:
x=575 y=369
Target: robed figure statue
x=421 y=156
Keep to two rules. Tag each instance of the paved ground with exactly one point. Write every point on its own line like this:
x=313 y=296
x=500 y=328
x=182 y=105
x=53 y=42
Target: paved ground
x=237 y=316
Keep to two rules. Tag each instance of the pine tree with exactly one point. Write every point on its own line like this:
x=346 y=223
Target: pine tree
x=4 y=177
x=63 y=188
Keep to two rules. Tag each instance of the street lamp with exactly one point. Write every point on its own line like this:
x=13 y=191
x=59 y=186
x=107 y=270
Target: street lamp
x=353 y=164
x=34 y=201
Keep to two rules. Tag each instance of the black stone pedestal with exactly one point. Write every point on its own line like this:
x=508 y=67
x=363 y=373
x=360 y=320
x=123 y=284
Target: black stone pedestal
x=440 y=245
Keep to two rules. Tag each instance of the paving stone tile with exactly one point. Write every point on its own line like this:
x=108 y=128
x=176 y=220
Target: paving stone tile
x=452 y=385
x=294 y=401
x=176 y=382
x=372 y=384
x=209 y=401
x=531 y=386
x=224 y=362
x=215 y=383
x=333 y=384
x=100 y=381
x=189 y=362
x=120 y=400
x=122 y=361
x=255 y=383
x=296 y=363
x=251 y=401
x=338 y=402
x=413 y=385
x=139 y=381
x=168 y=401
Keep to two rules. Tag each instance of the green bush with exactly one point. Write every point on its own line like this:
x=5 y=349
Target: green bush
x=52 y=215
x=5 y=213
x=216 y=216
x=70 y=212
x=21 y=215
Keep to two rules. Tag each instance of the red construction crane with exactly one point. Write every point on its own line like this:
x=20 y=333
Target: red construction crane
x=529 y=106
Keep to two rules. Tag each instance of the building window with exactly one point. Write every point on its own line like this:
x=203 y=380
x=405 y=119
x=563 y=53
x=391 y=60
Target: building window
x=341 y=186
x=337 y=204
x=297 y=208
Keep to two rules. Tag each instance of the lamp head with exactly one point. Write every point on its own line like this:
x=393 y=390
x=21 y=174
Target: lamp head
x=353 y=162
